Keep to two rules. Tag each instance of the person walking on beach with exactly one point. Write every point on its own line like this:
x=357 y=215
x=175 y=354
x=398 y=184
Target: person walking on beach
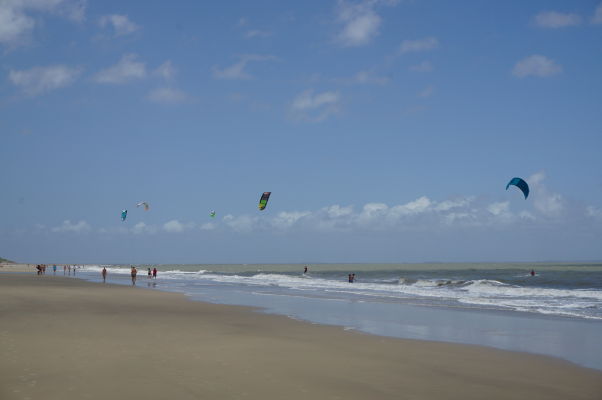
x=64 y=270
x=155 y=273
x=54 y=269
x=104 y=274
x=134 y=272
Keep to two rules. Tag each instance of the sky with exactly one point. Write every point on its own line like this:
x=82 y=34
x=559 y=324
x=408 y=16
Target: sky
x=386 y=131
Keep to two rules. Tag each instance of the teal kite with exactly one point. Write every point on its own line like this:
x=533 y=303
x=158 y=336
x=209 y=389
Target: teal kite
x=124 y=214
x=521 y=184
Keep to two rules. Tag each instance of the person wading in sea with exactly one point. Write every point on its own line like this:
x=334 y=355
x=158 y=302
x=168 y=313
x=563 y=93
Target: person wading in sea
x=134 y=272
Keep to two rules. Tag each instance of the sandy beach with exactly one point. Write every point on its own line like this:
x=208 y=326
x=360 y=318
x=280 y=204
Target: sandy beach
x=63 y=338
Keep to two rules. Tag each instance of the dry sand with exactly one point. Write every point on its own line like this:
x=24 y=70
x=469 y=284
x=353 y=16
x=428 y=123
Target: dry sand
x=63 y=338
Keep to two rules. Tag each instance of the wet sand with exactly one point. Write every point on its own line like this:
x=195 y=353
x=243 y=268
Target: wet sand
x=63 y=338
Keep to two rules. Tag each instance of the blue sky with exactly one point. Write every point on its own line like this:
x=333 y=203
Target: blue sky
x=385 y=130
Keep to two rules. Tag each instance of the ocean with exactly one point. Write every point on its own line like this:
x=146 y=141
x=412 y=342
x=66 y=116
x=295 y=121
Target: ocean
x=556 y=312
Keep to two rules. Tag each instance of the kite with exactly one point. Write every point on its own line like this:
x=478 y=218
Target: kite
x=521 y=184
x=212 y=214
x=124 y=214
x=143 y=203
x=263 y=202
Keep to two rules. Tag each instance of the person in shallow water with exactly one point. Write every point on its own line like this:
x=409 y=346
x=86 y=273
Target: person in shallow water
x=104 y=274
x=532 y=272
x=305 y=270
x=155 y=273
x=133 y=273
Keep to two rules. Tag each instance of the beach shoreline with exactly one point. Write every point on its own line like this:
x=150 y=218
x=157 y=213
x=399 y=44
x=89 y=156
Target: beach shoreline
x=68 y=338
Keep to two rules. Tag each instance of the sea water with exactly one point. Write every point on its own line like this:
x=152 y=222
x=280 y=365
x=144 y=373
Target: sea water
x=557 y=311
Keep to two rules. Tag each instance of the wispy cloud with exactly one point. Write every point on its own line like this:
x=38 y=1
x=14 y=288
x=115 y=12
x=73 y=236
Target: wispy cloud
x=424 y=66
x=360 y=22
x=237 y=70
x=256 y=33
x=126 y=70
x=168 y=95
x=364 y=78
x=427 y=92
x=67 y=226
x=40 y=80
x=16 y=23
x=554 y=19
x=175 y=226
x=142 y=228
x=426 y=44
x=536 y=65
x=597 y=18
x=166 y=71
x=315 y=107
x=547 y=203
x=120 y=24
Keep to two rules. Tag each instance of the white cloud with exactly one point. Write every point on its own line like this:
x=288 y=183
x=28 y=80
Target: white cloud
x=554 y=19
x=166 y=70
x=427 y=92
x=141 y=228
x=256 y=33
x=315 y=108
x=499 y=208
x=287 y=219
x=368 y=77
x=597 y=18
x=68 y=226
x=175 y=226
x=360 y=22
x=547 y=203
x=208 y=226
x=594 y=212
x=536 y=65
x=424 y=66
x=451 y=204
x=39 y=80
x=429 y=43
x=120 y=23
x=168 y=95
x=237 y=70
x=126 y=70
x=16 y=25
x=241 y=224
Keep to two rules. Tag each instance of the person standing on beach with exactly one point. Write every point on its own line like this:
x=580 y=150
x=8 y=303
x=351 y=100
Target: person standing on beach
x=64 y=270
x=155 y=273
x=134 y=272
x=104 y=274
x=54 y=269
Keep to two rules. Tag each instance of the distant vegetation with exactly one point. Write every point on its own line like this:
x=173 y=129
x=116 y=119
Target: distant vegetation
x=4 y=260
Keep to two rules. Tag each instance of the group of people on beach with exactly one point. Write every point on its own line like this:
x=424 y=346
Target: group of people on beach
x=134 y=272
x=41 y=269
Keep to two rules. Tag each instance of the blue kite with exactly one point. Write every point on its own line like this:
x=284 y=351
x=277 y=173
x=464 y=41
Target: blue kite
x=521 y=184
